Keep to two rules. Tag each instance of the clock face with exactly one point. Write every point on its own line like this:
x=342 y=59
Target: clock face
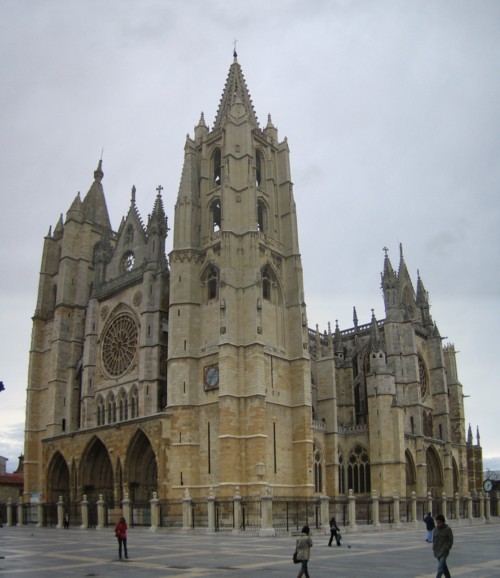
x=211 y=376
x=487 y=485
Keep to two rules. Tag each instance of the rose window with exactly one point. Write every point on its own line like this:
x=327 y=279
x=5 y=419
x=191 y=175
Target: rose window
x=119 y=345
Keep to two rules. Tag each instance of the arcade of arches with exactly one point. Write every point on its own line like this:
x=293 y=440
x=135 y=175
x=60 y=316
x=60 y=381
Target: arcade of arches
x=98 y=474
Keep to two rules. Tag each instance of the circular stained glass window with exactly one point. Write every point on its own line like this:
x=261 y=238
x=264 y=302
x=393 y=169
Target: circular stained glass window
x=119 y=345
x=128 y=261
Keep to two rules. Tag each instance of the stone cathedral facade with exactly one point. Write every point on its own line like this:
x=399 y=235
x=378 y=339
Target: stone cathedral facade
x=199 y=371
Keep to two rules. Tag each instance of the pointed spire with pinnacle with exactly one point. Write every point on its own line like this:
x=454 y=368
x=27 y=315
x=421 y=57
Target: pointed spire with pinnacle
x=201 y=129
x=94 y=204
x=271 y=130
x=375 y=340
x=469 y=436
x=157 y=219
x=235 y=91
x=390 y=288
x=75 y=212
x=338 y=347
x=422 y=301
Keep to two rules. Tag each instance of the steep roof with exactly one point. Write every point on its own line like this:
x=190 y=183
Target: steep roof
x=235 y=91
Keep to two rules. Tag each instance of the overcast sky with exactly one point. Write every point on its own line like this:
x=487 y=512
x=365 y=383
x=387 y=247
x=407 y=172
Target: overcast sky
x=391 y=109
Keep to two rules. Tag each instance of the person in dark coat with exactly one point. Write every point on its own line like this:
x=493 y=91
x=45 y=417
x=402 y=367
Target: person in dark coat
x=441 y=545
x=429 y=524
x=303 y=547
x=121 y=534
x=334 y=532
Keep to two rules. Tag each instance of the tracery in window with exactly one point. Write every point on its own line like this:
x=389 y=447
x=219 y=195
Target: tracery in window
x=111 y=407
x=358 y=470
x=342 y=489
x=123 y=406
x=423 y=381
x=119 y=345
x=128 y=261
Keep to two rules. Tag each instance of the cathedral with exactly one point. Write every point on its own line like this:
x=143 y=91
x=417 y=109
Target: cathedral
x=198 y=370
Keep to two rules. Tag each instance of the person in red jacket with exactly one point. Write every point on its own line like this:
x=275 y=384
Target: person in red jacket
x=121 y=534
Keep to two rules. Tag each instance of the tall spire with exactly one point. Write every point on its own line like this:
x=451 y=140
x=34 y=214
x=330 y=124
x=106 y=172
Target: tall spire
x=390 y=288
x=94 y=204
x=235 y=91
x=422 y=301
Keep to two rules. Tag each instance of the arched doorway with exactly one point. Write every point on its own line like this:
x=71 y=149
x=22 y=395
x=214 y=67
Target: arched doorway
x=96 y=473
x=58 y=479
x=434 y=473
x=411 y=476
x=141 y=467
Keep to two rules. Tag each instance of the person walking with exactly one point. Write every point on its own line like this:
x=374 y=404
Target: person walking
x=121 y=534
x=429 y=524
x=441 y=545
x=303 y=547
x=334 y=532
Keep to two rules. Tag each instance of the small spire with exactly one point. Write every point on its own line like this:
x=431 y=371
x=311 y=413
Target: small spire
x=469 y=436
x=132 y=195
x=375 y=341
x=98 y=174
x=478 y=437
x=354 y=317
x=338 y=346
x=201 y=122
x=235 y=54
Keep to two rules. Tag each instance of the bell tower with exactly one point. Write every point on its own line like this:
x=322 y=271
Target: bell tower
x=239 y=382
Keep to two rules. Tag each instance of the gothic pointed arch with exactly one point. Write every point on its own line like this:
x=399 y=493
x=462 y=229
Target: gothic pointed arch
x=411 y=473
x=262 y=216
x=210 y=279
x=271 y=285
x=271 y=306
x=318 y=461
x=96 y=472
x=141 y=468
x=58 y=479
x=358 y=470
x=434 y=472
x=111 y=408
x=456 y=476
x=134 y=402
x=342 y=473
x=122 y=405
x=260 y=165
x=216 y=162
x=215 y=215
x=100 y=410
